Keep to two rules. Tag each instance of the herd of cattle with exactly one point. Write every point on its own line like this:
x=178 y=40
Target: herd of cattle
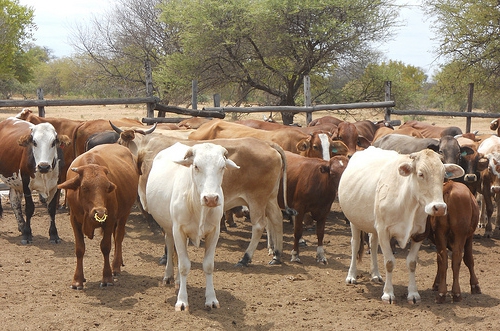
x=406 y=184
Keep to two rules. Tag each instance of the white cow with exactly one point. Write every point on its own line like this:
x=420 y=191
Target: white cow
x=390 y=195
x=184 y=195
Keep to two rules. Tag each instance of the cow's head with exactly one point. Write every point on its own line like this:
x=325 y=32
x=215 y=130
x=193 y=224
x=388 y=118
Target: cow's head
x=348 y=134
x=494 y=170
x=427 y=173
x=92 y=188
x=207 y=162
x=44 y=142
x=320 y=144
x=132 y=138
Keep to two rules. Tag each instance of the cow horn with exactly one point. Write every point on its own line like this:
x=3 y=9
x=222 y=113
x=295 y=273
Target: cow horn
x=151 y=129
x=117 y=129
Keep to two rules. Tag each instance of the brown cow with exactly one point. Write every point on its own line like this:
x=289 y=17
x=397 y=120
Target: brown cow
x=101 y=189
x=348 y=134
x=455 y=232
x=368 y=129
x=433 y=131
x=408 y=131
x=290 y=139
x=311 y=188
x=494 y=125
x=255 y=185
x=325 y=119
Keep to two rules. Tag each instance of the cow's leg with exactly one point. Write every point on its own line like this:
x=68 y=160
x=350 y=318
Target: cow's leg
x=469 y=262
x=15 y=198
x=275 y=230
x=487 y=198
x=52 y=209
x=355 y=242
x=257 y=214
x=184 y=265
x=78 y=277
x=457 y=251
x=107 y=275
x=297 y=234
x=118 y=236
x=497 y=223
x=168 y=278
x=374 y=270
x=320 y=234
x=208 y=267
x=1 y=208
x=389 y=262
x=482 y=215
x=411 y=263
x=27 y=236
x=442 y=267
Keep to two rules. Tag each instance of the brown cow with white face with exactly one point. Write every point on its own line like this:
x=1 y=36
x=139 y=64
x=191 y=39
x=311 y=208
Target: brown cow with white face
x=101 y=188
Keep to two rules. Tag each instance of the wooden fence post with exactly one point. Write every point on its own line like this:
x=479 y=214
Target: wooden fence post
x=469 y=107
x=194 y=94
x=307 y=98
x=41 y=109
x=149 y=89
x=387 y=85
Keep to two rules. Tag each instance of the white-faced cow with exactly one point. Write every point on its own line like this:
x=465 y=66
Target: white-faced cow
x=390 y=195
x=311 y=188
x=101 y=188
x=184 y=195
x=30 y=161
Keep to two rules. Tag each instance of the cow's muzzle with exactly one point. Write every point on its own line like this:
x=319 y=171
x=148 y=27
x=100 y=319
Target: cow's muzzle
x=44 y=167
x=436 y=209
x=470 y=178
x=211 y=200
x=100 y=215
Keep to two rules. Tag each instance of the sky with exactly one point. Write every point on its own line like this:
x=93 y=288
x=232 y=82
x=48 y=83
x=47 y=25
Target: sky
x=57 y=19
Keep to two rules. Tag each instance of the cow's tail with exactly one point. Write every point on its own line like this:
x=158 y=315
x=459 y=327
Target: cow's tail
x=287 y=210
x=361 y=247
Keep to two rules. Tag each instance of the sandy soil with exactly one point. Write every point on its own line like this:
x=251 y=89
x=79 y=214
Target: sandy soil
x=35 y=279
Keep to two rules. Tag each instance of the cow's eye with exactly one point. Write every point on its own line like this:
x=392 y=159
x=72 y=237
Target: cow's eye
x=315 y=147
x=420 y=175
x=34 y=143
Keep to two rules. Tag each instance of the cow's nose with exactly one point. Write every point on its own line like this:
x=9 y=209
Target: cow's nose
x=439 y=209
x=44 y=168
x=211 y=200
x=470 y=178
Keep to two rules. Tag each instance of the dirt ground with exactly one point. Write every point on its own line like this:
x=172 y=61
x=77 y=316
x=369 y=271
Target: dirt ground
x=35 y=279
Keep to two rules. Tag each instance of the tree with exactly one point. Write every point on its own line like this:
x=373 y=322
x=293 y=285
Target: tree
x=16 y=26
x=270 y=45
x=407 y=84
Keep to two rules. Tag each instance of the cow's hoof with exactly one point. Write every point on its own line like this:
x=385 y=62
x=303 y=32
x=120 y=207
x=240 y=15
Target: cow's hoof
x=105 y=284
x=163 y=260
x=26 y=241
x=413 y=298
x=210 y=305
x=377 y=279
x=389 y=299
x=76 y=287
x=296 y=259
x=168 y=280
x=440 y=298
x=55 y=241
x=302 y=242
x=275 y=262
x=244 y=261
x=350 y=280
x=181 y=307
x=322 y=260
x=456 y=297
x=475 y=289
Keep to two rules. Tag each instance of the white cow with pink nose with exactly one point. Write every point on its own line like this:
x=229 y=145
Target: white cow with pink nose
x=184 y=195
x=390 y=195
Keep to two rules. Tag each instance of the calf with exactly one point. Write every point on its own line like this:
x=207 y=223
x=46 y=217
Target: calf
x=101 y=188
x=184 y=195
x=455 y=231
x=311 y=188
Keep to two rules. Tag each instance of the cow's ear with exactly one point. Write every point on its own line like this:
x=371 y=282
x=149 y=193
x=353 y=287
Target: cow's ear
x=405 y=169
x=494 y=124
x=230 y=164
x=303 y=145
x=63 y=140
x=111 y=187
x=453 y=171
x=465 y=150
x=339 y=148
x=434 y=147
x=25 y=140
x=482 y=163
x=188 y=158
x=70 y=184
x=363 y=142
x=324 y=169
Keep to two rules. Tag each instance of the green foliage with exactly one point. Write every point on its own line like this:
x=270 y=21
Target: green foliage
x=269 y=45
x=407 y=85
x=15 y=30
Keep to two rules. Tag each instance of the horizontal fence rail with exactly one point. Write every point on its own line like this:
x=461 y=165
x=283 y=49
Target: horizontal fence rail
x=80 y=102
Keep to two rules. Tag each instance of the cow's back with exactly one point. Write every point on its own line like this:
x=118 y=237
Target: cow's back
x=11 y=153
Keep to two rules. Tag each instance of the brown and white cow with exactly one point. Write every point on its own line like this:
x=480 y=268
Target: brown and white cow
x=30 y=160
x=311 y=188
x=184 y=196
x=455 y=231
x=101 y=188
x=256 y=185
x=390 y=195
